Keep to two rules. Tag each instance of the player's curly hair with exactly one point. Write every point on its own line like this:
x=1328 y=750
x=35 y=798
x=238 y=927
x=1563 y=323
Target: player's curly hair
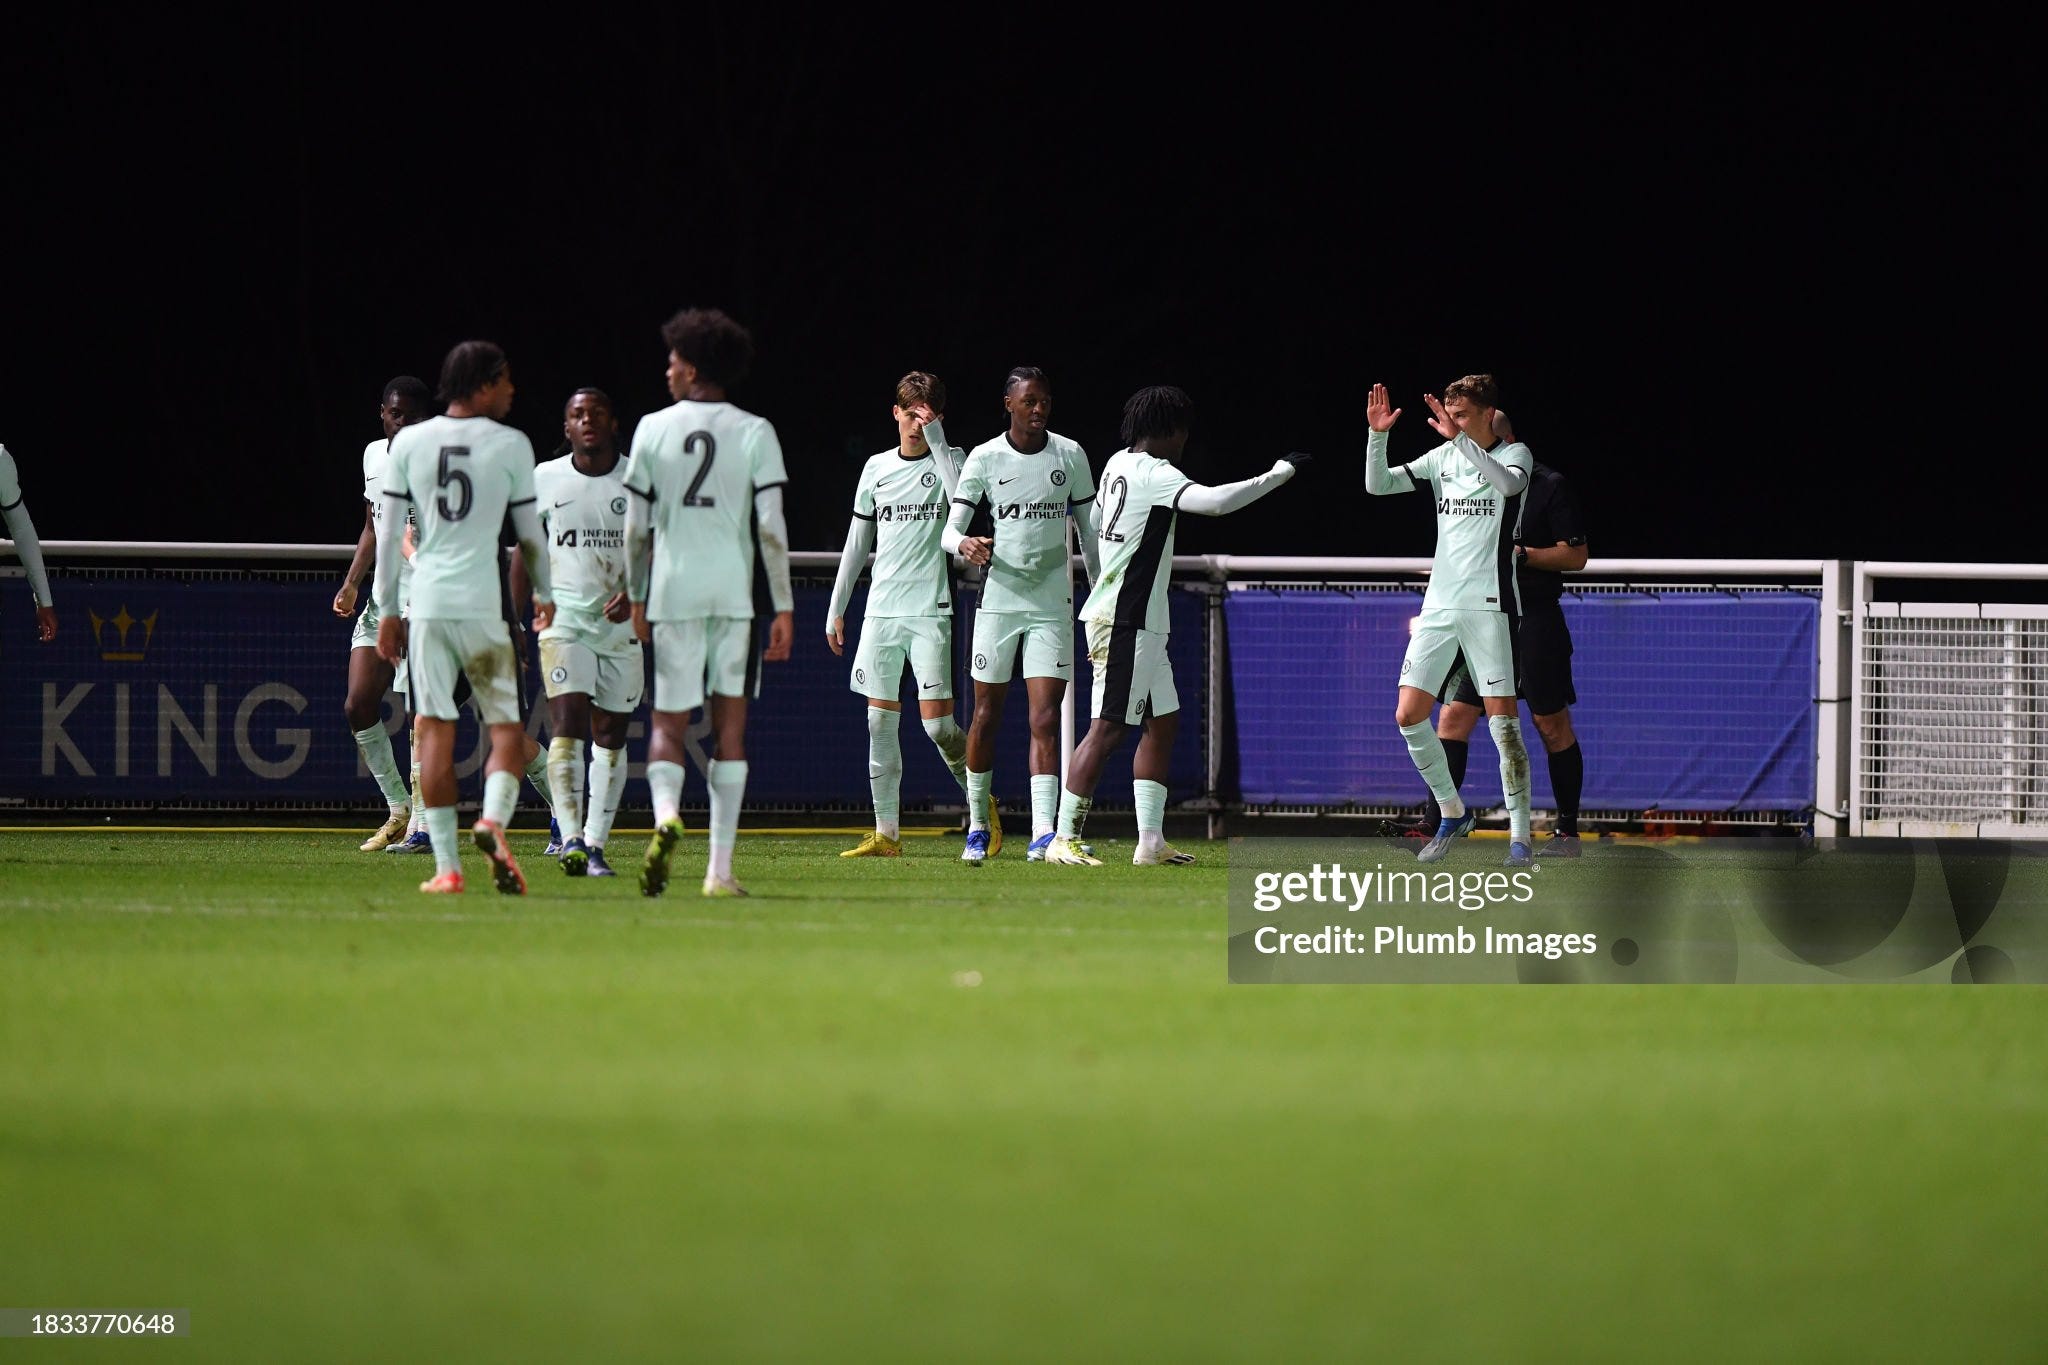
x=410 y=386
x=1480 y=388
x=1022 y=375
x=919 y=387
x=470 y=366
x=721 y=349
x=1158 y=411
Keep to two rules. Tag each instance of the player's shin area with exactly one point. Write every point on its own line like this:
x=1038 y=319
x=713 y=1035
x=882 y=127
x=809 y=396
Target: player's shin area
x=437 y=757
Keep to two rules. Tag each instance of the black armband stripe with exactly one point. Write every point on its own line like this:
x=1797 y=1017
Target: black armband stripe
x=522 y=502
x=1179 y=495
x=646 y=493
x=16 y=503
x=865 y=516
x=1082 y=502
x=394 y=493
x=964 y=502
x=761 y=488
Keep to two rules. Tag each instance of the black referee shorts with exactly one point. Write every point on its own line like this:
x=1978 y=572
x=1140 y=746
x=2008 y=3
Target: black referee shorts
x=1543 y=658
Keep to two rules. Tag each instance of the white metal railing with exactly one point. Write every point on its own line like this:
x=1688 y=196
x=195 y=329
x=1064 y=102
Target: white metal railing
x=1950 y=722
x=1219 y=566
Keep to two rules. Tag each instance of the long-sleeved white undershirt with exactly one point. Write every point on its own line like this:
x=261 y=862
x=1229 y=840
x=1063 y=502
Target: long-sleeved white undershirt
x=1206 y=501
x=860 y=543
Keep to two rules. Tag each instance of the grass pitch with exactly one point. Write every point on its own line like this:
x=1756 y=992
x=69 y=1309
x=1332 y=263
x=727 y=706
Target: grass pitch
x=908 y=1110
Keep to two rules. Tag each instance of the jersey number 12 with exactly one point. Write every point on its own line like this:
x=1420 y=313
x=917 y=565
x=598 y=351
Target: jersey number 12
x=1120 y=489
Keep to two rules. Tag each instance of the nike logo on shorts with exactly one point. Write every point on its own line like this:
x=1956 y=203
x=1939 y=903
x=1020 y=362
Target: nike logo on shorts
x=929 y=686
x=1493 y=681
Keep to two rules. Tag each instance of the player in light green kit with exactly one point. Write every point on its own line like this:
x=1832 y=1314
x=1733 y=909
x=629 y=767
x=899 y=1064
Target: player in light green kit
x=1473 y=598
x=406 y=401
x=1143 y=493
x=465 y=473
x=1010 y=515
x=899 y=512
x=706 y=485
x=590 y=662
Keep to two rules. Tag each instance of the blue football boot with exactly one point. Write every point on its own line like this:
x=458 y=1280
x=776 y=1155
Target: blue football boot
x=1447 y=829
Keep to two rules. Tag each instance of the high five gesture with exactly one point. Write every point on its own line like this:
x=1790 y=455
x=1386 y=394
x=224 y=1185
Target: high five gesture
x=1440 y=420
x=1380 y=414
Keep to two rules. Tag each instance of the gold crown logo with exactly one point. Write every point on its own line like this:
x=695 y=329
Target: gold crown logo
x=124 y=623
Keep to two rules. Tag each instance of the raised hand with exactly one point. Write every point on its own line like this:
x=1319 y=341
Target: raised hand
x=1380 y=413
x=1442 y=423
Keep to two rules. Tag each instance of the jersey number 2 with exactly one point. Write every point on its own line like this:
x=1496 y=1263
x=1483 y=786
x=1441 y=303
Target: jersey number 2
x=700 y=441
x=454 y=478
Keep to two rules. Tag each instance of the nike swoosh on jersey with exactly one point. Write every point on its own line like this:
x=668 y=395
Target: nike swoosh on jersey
x=1012 y=479
x=565 y=502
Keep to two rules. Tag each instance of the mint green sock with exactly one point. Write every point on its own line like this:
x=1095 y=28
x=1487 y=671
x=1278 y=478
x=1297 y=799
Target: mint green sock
x=885 y=769
x=978 y=785
x=1151 y=799
x=441 y=829
x=1073 y=814
x=1428 y=752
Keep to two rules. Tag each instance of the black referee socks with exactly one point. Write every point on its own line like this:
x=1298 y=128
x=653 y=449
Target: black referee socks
x=1567 y=780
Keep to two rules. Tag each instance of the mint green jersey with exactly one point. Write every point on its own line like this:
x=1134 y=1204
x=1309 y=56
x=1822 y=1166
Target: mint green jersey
x=907 y=500
x=1136 y=515
x=1028 y=499
x=584 y=518
x=462 y=475
x=376 y=464
x=1476 y=524
x=699 y=465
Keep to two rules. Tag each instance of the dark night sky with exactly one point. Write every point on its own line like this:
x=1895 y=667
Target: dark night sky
x=1723 y=274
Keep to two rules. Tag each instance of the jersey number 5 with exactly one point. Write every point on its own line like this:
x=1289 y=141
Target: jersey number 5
x=454 y=478
x=700 y=441
x=1120 y=489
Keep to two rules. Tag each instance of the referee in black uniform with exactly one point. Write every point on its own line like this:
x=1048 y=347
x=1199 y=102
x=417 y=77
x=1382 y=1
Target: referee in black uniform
x=1552 y=543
